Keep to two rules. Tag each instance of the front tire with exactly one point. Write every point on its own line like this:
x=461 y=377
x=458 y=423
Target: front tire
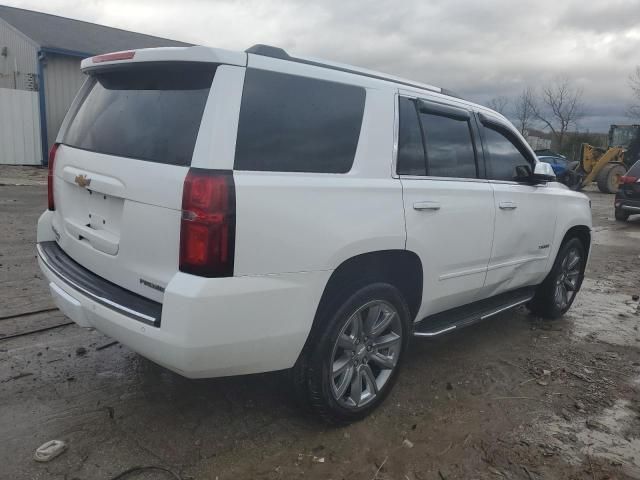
x=558 y=291
x=352 y=362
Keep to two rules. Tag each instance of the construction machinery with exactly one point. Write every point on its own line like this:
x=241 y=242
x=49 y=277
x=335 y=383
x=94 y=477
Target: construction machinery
x=605 y=166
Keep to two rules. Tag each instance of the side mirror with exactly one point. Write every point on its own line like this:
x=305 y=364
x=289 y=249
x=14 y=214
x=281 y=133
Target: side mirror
x=543 y=172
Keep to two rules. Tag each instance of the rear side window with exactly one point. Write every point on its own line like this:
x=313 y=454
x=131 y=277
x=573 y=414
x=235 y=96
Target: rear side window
x=506 y=161
x=435 y=140
x=297 y=124
x=449 y=146
x=146 y=112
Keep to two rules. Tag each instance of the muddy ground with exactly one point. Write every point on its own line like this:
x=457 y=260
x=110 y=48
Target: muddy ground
x=511 y=398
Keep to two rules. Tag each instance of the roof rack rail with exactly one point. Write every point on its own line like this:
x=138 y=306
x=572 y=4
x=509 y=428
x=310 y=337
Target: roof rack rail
x=281 y=54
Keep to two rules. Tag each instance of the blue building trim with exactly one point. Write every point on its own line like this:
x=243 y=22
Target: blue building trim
x=42 y=100
x=68 y=53
x=43 y=109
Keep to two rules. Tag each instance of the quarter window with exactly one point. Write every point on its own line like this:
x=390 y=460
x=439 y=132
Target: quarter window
x=410 y=146
x=506 y=161
x=297 y=124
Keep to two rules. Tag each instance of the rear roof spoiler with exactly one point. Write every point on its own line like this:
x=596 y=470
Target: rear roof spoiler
x=166 y=54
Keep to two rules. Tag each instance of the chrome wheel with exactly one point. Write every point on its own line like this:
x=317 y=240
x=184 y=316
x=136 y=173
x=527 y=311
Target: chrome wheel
x=365 y=354
x=568 y=279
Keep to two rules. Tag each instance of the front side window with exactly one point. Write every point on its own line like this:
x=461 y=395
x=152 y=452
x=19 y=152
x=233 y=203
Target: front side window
x=290 y=123
x=506 y=161
x=449 y=146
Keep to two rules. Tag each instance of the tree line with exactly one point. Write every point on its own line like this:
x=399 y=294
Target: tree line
x=558 y=108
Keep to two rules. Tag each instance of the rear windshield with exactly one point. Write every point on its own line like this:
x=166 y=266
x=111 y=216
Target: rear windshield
x=146 y=112
x=635 y=169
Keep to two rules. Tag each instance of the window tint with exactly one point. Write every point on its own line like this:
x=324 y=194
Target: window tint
x=505 y=160
x=449 y=147
x=410 y=146
x=635 y=169
x=146 y=112
x=297 y=124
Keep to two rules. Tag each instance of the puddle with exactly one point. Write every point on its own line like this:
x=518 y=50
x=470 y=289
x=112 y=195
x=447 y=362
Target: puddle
x=604 y=315
x=605 y=435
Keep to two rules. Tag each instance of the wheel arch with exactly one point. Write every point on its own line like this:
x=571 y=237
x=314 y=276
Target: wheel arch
x=582 y=233
x=400 y=268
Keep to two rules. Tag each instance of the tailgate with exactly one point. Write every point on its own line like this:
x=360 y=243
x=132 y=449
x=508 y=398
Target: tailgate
x=120 y=168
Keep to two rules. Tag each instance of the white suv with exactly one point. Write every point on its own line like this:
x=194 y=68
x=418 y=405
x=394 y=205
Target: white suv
x=226 y=213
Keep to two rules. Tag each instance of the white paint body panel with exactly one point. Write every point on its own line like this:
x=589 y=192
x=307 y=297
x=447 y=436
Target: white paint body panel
x=523 y=236
x=453 y=242
x=292 y=231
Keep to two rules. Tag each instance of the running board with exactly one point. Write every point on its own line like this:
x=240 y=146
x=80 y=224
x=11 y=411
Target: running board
x=466 y=315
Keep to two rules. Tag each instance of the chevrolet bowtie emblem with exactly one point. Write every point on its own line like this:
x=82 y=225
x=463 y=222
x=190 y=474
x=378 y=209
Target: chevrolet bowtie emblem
x=82 y=180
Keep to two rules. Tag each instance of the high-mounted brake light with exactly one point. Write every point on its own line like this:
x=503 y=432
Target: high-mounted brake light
x=625 y=179
x=52 y=159
x=207 y=228
x=109 y=57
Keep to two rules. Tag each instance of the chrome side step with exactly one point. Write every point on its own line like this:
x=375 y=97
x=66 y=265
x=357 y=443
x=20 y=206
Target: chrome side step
x=466 y=315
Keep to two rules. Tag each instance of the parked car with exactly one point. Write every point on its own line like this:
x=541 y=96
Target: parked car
x=557 y=162
x=227 y=213
x=627 y=200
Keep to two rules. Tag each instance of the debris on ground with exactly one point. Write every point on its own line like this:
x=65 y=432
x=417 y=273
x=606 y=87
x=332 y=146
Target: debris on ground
x=49 y=450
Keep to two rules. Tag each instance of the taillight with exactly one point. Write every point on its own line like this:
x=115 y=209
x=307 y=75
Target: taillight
x=628 y=179
x=52 y=159
x=109 y=57
x=207 y=228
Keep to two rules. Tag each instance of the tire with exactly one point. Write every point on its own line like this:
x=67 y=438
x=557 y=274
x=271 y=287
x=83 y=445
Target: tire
x=621 y=215
x=548 y=301
x=341 y=355
x=609 y=177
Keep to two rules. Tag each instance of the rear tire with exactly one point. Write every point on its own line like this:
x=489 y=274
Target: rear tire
x=556 y=294
x=609 y=177
x=621 y=215
x=352 y=361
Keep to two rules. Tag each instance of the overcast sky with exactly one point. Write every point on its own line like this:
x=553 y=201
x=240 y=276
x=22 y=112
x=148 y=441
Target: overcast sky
x=481 y=49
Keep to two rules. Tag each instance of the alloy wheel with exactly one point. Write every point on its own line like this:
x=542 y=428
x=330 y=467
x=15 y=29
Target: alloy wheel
x=365 y=354
x=568 y=280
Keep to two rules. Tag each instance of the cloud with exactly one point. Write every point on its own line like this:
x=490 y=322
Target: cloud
x=479 y=49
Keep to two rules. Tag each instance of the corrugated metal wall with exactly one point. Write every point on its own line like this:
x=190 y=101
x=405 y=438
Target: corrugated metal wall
x=19 y=127
x=62 y=80
x=20 y=53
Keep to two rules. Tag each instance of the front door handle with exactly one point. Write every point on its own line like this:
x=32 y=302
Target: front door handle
x=508 y=205
x=426 y=206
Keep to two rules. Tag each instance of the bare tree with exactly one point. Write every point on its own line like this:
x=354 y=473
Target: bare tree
x=634 y=83
x=561 y=107
x=499 y=104
x=524 y=110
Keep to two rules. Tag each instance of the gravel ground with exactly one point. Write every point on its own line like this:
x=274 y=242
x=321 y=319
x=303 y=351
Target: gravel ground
x=511 y=398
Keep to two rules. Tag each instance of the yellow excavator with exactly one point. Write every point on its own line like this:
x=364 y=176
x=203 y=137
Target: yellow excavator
x=604 y=166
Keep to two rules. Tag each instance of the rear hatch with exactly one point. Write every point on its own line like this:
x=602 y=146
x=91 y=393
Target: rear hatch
x=630 y=183
x=119 y=170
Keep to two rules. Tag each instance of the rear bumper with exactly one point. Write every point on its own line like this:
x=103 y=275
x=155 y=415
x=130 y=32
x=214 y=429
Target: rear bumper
x=208 y=327
x=630 y=206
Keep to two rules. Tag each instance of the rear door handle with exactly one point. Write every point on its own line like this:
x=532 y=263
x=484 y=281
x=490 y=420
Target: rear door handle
x=426 y=206
x=508 y=205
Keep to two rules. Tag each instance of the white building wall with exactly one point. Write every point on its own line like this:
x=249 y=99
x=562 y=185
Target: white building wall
x=18 y=59
x=62 y=80
x=19 y=127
